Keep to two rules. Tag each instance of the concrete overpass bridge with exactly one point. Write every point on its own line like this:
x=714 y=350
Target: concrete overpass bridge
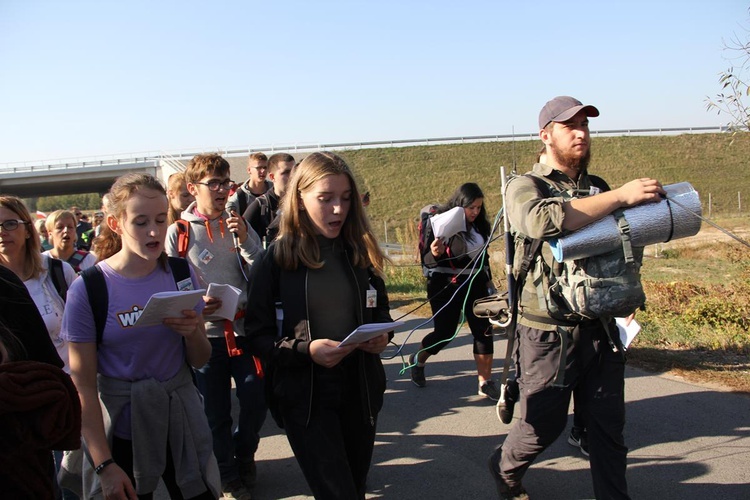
x=96 y=174
x=88 y=176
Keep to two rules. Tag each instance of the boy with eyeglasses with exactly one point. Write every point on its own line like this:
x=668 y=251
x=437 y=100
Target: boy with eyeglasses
x=254 y=186
x=220 y=246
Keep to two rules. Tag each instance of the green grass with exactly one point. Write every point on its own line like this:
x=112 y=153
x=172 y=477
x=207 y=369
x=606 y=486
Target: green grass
x=697 y=317
x=403 y=180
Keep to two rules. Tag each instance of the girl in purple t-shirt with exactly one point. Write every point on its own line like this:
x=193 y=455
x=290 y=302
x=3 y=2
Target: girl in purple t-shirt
x=134 y=268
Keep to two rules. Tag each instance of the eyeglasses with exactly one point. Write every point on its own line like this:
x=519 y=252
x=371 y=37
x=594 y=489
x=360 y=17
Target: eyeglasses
x=215 y=185
x=78 y=214
x=12 y=224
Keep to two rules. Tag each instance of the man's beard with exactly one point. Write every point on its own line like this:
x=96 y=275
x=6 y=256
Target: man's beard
x=572 y=161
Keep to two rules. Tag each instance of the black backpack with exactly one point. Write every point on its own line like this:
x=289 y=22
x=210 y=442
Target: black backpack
x=58 y=277
x=96 y=289
x=243 y=200
x=424 y=219
x=269 y=218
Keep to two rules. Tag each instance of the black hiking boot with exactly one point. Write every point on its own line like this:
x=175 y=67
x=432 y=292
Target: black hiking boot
x=504 y=491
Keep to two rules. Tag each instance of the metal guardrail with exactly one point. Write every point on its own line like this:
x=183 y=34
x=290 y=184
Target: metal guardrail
x=155 y=156
x=52 y=165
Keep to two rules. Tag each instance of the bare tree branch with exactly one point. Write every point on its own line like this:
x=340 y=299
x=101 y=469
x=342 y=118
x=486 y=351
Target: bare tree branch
x=735 y=90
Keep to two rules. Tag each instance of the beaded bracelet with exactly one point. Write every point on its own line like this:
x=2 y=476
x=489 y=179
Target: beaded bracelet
x=99 y=468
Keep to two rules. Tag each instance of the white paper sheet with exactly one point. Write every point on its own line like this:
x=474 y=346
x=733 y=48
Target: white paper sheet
x=627 y=333
x=163 y=305
x=448 y=223
x=369 y=331
x=230 y=297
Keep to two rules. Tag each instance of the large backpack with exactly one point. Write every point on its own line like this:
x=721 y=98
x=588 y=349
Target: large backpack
x=607 y=285
x=96 y=289
x=424 y=219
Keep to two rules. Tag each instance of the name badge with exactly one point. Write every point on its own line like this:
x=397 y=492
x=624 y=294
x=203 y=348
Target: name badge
x=594 y=190
x=372 y=298
x=184 y=285
x=206 y=256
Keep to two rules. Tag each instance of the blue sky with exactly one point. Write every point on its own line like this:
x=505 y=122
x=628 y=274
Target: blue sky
x=83 y=78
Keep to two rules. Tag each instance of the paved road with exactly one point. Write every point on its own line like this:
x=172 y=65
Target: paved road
x=685 y=441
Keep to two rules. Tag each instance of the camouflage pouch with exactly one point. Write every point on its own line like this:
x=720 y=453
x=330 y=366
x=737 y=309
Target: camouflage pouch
x=605 y=285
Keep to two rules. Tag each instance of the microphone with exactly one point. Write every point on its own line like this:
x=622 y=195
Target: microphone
x=237 y=248
x=236 y=236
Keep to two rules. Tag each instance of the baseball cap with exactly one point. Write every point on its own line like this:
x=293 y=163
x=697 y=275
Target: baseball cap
x=563 y=108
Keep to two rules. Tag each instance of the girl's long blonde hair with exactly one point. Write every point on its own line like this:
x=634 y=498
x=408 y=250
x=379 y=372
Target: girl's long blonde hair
x=174 y=187
x=297 y=242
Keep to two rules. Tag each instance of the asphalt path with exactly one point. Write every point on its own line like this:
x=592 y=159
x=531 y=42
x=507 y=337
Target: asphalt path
x=686 y=441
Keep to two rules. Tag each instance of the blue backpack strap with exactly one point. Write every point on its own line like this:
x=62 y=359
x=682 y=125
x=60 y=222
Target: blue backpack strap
x=96 y=289
x=58 y=277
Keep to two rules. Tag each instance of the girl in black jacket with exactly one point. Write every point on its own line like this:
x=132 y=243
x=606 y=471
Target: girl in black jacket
x=321 y=278
x=449 y=265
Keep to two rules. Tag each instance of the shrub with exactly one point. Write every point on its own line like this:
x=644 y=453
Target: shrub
x=718 y=311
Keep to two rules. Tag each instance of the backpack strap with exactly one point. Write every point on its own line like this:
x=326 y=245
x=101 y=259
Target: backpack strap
x=183 y=237
x=242 y=200
x=264 y=208
x=624 y=228
x=96 y=289
x=266 y=216
x=76 y=259
x=58 y=277
x=180 y=270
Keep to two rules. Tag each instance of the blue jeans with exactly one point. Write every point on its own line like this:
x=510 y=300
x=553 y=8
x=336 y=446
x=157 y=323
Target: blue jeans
x=214 y=382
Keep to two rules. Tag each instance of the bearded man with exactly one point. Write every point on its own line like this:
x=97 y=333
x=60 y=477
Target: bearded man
x=556 y=356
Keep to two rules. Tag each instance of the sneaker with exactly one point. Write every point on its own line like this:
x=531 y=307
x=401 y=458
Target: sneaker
x=507 y=402
x=248 y=474
x=417 y=372
x=235 y=490
x=489 y=390
x=504 y=491
x=579 y=438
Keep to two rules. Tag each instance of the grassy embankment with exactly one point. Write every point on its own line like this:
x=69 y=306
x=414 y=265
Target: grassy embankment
x=698 y=314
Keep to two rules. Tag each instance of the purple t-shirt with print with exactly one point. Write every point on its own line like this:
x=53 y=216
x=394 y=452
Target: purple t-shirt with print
x=126 y=352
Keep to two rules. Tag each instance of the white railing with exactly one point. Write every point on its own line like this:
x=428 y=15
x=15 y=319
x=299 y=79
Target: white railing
x=155 y=156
